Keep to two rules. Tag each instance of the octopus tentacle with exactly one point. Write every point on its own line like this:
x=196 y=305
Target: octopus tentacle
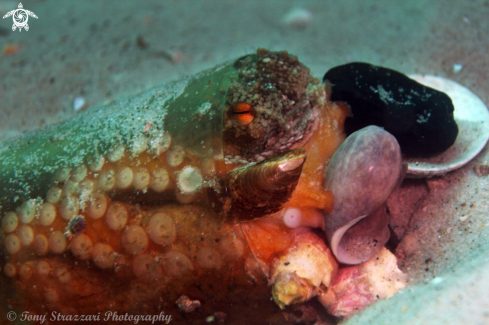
x=87 y=242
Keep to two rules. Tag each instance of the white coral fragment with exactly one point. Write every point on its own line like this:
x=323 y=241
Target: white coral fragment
x=297 y=275
x=383 y=274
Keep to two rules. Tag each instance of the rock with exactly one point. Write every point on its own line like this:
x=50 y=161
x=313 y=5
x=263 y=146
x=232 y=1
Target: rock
x=357 y=287
x=421 y=118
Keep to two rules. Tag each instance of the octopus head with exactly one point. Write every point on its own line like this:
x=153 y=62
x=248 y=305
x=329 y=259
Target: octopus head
x=271 y=107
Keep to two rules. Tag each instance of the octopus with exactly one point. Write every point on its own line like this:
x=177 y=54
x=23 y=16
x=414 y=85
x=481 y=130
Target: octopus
x=217 y=201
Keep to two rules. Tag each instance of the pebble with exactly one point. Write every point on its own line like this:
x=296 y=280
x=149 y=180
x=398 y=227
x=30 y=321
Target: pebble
x=79 y=103
x=457 y=68
x=298 y=17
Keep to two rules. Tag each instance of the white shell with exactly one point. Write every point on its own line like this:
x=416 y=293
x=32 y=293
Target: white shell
x=472 y=119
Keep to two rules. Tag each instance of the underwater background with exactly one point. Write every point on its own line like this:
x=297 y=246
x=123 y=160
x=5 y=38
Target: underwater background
x=80 y=54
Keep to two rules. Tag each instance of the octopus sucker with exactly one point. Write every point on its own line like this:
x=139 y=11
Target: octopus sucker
x=107 y=180
x=134 y=240
x=12 y=243
x=160 y=180
x=161 y=229
x=41 y=245
x=10 y=222
x=26 y=235
x=57 y=242
x=292 y=217
x=116 y=216
x=69 y=207
x=115 y=154
x=43 y=268
x=47 y=213
x=10 y=270
x=175 y=156
x=96 y=163
x=141 y=178
x=82 y=248
x=97 y=205
x=62 y=174
x=27 y=211
x=124 y=177
x=103 y=256
x=189 y=180
x=54 y=194
x=79 y=173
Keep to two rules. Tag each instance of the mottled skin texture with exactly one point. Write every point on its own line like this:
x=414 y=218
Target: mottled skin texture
x=142 y=275
x=278 y=88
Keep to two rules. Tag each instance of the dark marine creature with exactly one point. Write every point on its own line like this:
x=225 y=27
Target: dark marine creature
x=419 y=117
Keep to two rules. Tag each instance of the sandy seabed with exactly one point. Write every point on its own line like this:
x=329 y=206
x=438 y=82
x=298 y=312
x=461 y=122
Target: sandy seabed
x=105 y=50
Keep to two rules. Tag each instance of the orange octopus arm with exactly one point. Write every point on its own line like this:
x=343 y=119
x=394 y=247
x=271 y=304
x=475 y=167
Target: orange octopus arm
x=269 y=237
x=309 y=192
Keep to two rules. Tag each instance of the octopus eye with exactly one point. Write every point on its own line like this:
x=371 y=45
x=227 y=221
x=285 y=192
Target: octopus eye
x=242 y=113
